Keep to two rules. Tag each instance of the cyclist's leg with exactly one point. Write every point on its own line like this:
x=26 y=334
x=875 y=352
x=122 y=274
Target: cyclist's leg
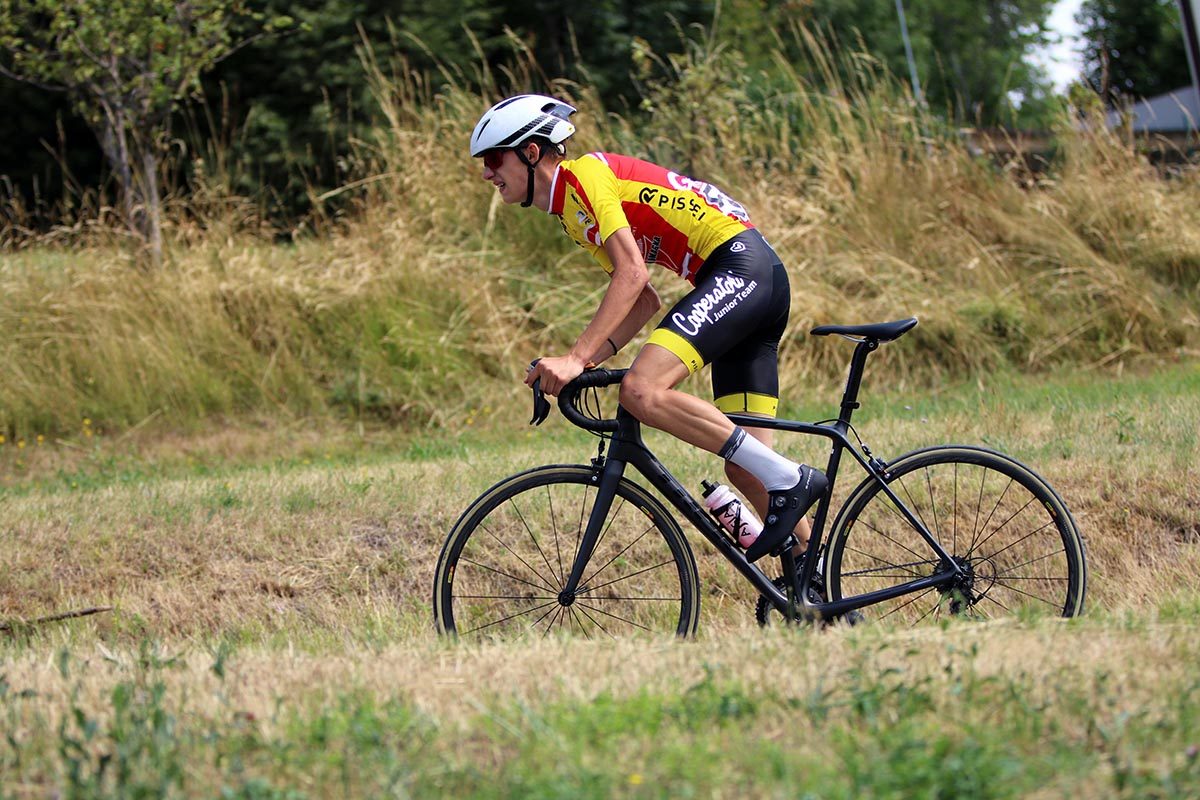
x=741 y=299
x=755 y=493
x=648 y=392
x=745 y=380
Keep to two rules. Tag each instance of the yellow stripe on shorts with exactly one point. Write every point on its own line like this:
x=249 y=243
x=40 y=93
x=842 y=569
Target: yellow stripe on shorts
x=748 y=403
x=678 y=345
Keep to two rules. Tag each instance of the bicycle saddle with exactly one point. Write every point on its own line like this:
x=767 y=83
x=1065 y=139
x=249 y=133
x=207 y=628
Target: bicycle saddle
x=879 y=331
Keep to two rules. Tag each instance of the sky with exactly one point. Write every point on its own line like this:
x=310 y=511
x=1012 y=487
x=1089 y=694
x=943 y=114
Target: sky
x=1062 y=60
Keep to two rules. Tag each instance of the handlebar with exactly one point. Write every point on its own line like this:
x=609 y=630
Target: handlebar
x=568 y=400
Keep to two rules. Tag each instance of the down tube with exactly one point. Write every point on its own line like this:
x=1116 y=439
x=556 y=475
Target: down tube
x=658 y=476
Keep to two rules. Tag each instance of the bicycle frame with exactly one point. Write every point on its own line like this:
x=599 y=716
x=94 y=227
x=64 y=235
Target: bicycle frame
x=628 y=449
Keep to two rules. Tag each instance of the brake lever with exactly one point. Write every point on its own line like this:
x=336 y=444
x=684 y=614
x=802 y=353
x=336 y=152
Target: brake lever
x=541 y=406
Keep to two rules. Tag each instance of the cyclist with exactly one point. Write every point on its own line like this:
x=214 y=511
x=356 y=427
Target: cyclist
x=629 y=213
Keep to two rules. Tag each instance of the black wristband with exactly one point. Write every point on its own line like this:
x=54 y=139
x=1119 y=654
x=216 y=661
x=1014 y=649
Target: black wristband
x=613 y=345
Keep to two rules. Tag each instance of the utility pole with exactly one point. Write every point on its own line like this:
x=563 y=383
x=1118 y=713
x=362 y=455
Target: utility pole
x=908 y=53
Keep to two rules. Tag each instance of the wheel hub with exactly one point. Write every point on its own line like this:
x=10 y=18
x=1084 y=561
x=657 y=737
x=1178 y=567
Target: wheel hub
x=962 y=591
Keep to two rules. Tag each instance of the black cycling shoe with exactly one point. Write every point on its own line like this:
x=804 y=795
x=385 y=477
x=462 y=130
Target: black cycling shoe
x=785 y=508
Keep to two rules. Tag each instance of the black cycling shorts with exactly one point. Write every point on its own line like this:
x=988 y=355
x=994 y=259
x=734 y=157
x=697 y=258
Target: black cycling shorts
x=734 y=319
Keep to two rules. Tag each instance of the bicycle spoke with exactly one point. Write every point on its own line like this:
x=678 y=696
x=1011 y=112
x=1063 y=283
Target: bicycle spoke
x=614 y=616
x=503 y=597
x=562 y=576
x=937 y=527
x=932 y=608
x=582 y=630
x=532 y=538
x=1060 y=551
x=514 y=616
x=954 y=510
x=1001 y=527
x=1039 y=598
x=612 y=517
x=991 y=513
x=595 y=622
x=624 y=577
x=592 y=577
x=517 y=556
x=913 y=507
x=992 y=556
x=906 y=604
x=595 y=599
x=505 y=574
x=990 y=599
x=908 y=573
x=902 y=546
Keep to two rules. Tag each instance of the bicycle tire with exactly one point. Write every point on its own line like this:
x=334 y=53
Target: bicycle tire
x=1021 y=548
x=507 y=557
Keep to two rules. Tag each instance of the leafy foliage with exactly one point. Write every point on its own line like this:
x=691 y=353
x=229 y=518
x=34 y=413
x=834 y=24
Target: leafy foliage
x=1133 y=48
x=126 y=67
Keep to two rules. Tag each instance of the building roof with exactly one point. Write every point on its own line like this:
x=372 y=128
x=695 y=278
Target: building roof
x=1173 y=112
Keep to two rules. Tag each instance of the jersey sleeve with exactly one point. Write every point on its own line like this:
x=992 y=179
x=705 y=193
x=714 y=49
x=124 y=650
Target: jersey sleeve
x=597 y=187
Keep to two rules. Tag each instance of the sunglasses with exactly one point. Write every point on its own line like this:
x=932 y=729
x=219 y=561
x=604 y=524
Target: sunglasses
x=492 y=159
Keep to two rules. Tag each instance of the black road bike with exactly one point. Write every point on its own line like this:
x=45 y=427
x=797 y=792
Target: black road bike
x=946 y=530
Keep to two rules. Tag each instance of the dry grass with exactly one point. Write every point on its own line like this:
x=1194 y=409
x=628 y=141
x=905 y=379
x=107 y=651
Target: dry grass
x=334 y=549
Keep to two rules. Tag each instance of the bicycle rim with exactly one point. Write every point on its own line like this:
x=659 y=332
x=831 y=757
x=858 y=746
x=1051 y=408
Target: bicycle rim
x=506 y=561
x=1008 y=530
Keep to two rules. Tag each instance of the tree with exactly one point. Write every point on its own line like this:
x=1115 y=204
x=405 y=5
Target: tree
x=971 y=55
x=126 y=66
x=1132 y=48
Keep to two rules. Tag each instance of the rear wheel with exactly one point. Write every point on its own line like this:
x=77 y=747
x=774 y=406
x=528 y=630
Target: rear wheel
x=503 y=569
x=1005 y=527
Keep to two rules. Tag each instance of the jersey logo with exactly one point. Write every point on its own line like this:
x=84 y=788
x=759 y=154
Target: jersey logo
x=726 y=293
x=651 y=256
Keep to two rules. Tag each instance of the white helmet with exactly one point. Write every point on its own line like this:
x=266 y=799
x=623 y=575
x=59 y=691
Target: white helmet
x=511 y=122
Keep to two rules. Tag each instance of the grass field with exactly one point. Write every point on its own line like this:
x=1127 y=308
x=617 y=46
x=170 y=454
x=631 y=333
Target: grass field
x=271 y=633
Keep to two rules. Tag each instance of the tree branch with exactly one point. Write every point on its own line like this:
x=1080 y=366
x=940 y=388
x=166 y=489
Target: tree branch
x=15 y=625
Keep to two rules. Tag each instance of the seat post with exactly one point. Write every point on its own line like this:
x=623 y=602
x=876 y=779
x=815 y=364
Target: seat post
x=857 y=365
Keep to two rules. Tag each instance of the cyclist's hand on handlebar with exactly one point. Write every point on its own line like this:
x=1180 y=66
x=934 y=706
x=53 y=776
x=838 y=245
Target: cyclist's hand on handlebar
x=555 y=372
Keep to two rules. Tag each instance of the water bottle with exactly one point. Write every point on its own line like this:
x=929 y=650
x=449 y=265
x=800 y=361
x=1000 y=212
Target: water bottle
x=729 y=511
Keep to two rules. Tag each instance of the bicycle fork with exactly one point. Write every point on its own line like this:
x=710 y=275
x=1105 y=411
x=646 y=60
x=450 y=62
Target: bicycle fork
x=606 y=479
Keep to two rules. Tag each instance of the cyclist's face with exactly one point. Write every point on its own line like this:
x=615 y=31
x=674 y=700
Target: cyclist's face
x=505 y=170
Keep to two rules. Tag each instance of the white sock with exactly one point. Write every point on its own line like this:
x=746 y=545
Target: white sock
x=775 y=471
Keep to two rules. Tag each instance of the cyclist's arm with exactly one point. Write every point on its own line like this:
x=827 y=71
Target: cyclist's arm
x=628 y=303
x=629 y=269
x=622 y=305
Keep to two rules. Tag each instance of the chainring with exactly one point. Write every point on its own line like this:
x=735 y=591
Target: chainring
x=763 y=609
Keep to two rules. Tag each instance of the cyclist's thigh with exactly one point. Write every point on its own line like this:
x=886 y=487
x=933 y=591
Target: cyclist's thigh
x=741 y=297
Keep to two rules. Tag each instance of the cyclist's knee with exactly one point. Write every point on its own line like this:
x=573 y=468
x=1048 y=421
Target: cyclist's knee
x=639 y=395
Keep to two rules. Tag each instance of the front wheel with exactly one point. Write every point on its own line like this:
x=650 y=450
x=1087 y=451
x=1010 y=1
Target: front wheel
x=1006 y=528
x=507 y=559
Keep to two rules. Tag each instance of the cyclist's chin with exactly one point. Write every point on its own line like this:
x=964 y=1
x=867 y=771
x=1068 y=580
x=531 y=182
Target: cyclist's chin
x=509 y=194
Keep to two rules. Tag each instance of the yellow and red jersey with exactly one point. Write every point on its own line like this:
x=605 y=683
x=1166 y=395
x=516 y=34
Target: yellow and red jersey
x=675 y=220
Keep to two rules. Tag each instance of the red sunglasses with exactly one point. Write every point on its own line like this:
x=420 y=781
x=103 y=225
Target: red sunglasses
x=492 y=159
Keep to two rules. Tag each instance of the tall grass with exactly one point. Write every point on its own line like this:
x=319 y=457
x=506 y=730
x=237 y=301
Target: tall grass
x=423 y=296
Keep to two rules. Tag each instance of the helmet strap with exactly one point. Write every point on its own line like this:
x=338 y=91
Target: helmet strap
x=529 y=165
